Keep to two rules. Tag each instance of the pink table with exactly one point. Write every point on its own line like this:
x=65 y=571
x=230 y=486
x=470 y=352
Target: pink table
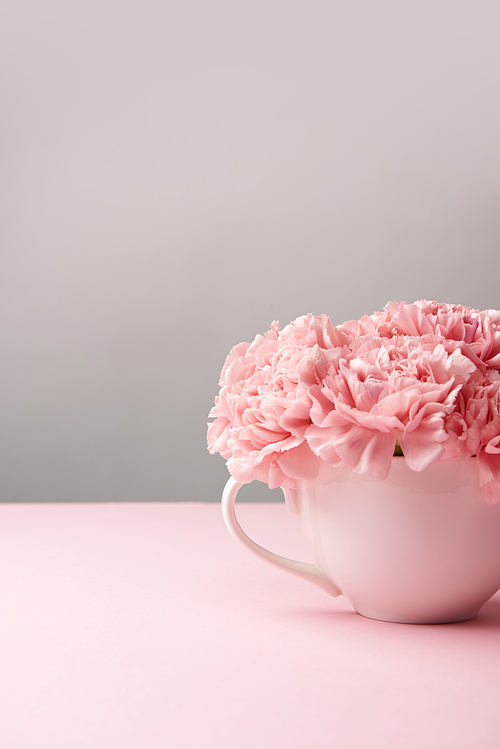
x=146 y=626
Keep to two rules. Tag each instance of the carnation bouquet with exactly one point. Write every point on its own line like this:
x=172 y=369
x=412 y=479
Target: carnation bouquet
x=417 y=380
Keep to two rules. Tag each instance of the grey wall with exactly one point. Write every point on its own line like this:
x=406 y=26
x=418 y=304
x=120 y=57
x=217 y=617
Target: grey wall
x=174 y=176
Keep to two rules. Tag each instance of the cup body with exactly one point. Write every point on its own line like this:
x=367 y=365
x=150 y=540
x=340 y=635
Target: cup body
x=415 y=547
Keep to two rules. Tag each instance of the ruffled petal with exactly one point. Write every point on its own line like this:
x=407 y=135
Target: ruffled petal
x=321 y=439
x=488 y=465
x=358 y=449
x=299 y=462
x=422 y=446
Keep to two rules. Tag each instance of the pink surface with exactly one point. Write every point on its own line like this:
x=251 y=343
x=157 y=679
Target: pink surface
x=146 y=625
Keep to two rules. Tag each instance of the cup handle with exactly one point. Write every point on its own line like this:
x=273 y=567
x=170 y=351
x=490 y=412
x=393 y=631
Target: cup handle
x=311 y=572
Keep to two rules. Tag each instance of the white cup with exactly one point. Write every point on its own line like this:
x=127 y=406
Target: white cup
x=415 y=547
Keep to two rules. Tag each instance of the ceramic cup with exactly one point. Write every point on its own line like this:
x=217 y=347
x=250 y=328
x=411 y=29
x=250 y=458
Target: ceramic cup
x=415 y=547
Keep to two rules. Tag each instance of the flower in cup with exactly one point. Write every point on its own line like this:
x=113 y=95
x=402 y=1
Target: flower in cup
x=262 y=411
x=474 y=429
x=423 y=377
x=476 y=333
x=387 y=391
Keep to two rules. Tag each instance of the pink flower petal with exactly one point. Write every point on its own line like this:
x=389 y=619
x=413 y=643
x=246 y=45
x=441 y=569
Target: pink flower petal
x=489 y=476
x=366 y=451
x=321 y=440
x=299 y=462
x=422 y=446
x=362 y=450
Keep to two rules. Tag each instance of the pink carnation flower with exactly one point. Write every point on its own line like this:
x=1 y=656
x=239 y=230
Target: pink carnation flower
x=385 y=391
x=474 y=429
x=262 y=411
x=476 y=333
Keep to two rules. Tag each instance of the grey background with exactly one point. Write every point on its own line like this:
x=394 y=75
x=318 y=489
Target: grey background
x=176 y=176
